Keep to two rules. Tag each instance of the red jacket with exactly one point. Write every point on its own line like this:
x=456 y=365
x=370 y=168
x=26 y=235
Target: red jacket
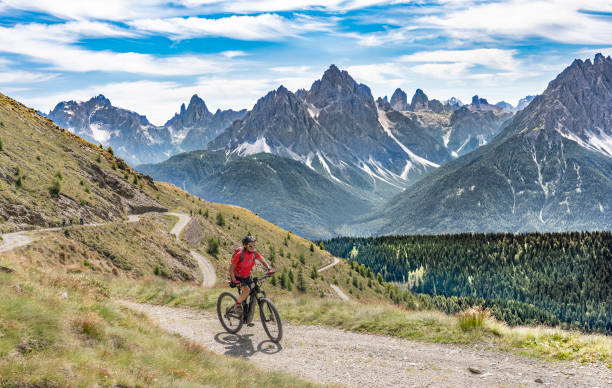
x=242 y=268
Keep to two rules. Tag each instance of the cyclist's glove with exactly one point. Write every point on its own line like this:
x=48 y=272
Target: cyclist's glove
x=271 y=272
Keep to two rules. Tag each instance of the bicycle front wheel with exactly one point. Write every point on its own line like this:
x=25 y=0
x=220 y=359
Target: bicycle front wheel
x=231 y=321
x=270 y=320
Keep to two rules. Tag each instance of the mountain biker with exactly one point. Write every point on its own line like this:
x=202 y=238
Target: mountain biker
x=240 y=270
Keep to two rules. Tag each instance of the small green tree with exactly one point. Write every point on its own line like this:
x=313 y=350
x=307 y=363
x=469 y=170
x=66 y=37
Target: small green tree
x=135 y=181
x=302 y=259
x=291 y=278
x=314 y=273
x=206 y=213
x=301 y=283
x=38 y=157
x=380 y=278
x=110 y=150
x=213 y=246
x=55 y=188
x=220 y=219
x=19 y=181
x=284 y=280
x=1 y=145
x=322 y=246
x=311 y=247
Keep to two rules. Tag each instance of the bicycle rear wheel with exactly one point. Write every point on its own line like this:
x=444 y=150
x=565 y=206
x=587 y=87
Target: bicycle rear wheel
x=270 y=319
x=231 y=321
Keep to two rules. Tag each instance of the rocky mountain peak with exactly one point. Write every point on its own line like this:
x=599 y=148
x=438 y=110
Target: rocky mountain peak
x=337 y=85
x=196 y=113
x=399 y=100
x=479 y=101
x=100 y=99
x=419 y=101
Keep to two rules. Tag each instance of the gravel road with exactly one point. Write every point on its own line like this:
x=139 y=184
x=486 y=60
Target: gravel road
x=332 y=356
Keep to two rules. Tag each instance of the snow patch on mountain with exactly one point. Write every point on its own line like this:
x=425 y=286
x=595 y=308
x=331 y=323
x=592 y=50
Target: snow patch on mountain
x=387 y=125
x=326 y=167
x=260 y=145
x=600 y=142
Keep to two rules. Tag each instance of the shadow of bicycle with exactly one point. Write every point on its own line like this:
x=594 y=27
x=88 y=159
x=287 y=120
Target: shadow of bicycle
x=242 y=345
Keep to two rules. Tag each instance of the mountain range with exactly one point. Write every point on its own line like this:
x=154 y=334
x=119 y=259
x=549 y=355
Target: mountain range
x=382 y=157
x=133 y=137
x=550 y=169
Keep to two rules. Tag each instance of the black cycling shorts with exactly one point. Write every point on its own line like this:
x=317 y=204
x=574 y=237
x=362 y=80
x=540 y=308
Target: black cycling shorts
x=244 y=281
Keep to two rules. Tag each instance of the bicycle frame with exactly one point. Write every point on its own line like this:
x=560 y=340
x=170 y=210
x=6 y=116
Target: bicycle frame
x=254 y=298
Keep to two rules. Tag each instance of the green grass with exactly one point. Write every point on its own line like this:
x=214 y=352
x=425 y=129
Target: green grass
x=86 y=339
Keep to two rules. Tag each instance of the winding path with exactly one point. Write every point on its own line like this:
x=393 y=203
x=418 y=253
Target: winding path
x=11 y=241
x=333 y=356
x=337 y=289
x=208 y=271
x=328 y=266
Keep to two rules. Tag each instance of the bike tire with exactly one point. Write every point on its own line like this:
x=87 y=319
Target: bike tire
x=270 y=320
x=231 y=323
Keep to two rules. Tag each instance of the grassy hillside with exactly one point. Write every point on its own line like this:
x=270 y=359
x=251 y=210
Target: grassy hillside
x=48 y=174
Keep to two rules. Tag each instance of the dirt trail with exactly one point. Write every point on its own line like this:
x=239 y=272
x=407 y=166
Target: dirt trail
x=332 y=356
x=337 y=289
x=336 y=261
x=208 y=271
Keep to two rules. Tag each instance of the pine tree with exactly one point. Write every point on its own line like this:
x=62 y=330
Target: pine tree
x=301 y=283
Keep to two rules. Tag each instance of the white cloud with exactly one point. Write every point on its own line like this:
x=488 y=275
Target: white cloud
x=121 y=10
x=269 y=27
x=21 y=77
x=442 y=70
x=116 y=10
x=557 y=20
x=51 y=45
x=491 y=58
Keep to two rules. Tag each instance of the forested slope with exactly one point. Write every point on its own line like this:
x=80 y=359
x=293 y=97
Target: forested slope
x=558 y=278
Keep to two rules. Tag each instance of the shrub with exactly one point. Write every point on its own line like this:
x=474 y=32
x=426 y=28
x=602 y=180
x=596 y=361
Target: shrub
x=213 y=246
x=322 y=246
x=110 y=150
x=19 y=181
x=314 y=273
x=311 y=247
x=472 y=318
x=135 y=180
x=87 y=189
x=91 y=326
x=220 y=219
x=302 y=259
x=55 y=188
x=301 y=283
x=38 y=157
x=1 y=145
x=59 y=175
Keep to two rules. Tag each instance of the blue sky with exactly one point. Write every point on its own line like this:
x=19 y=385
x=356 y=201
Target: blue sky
x=151 y=56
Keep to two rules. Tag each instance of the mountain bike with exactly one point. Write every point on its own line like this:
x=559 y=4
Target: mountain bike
x=232 y=321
